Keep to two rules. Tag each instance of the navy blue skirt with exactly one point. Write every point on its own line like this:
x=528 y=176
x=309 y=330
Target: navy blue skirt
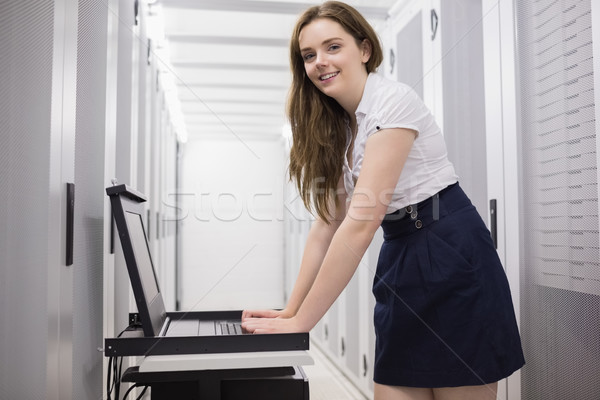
x=444 y=315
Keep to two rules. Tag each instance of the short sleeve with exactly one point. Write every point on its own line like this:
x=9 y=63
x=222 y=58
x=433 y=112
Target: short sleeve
x=395 y=107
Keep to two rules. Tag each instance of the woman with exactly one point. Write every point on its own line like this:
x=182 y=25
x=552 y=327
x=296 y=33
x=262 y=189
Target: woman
x=367 y=153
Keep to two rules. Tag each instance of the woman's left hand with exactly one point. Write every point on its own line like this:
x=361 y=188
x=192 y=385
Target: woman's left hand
x=273 y=325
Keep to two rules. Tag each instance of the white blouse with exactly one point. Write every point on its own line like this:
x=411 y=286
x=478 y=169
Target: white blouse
x=387 y=104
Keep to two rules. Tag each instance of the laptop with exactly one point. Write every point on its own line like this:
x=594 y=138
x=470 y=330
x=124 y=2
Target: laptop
x=128 y=210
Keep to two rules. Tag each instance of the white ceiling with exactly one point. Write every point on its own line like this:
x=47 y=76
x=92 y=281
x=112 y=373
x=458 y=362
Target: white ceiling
x=230 y=61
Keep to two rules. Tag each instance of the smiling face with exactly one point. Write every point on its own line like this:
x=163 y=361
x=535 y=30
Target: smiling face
x=334 y=61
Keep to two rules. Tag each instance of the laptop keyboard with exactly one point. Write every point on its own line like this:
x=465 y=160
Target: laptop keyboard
x=204 y=328
x=229 y=328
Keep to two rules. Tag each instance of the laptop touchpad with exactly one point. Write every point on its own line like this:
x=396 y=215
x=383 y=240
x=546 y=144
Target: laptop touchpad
x=183 y=328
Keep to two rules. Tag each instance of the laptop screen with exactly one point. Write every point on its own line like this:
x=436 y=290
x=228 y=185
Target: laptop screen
x=142 y=255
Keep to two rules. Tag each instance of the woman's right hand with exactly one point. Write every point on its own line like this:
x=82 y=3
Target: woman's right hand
x=265 y=314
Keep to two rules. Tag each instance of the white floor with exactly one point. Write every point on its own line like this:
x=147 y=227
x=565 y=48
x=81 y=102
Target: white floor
x=326 y=382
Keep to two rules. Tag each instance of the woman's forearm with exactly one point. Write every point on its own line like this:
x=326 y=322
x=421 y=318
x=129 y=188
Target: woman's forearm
x=317 y=243
x=343 y=257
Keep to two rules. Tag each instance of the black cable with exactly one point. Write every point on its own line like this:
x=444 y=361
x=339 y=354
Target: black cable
x=115 y=384
x=129 y=390
x=125 y=330
x=141 y=394
x=115 y=368
x=108 y=387
x=133 y=387
x=118 y=377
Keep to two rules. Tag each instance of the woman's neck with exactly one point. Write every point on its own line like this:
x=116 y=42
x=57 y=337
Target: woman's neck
x=352 y=99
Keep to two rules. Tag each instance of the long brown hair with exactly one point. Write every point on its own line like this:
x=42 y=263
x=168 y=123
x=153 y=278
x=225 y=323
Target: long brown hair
x=318 y=122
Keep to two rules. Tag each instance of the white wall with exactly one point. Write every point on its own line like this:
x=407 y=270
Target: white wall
x=232 y=224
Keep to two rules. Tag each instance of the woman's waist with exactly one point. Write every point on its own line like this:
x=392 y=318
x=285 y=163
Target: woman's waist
x=416 y=216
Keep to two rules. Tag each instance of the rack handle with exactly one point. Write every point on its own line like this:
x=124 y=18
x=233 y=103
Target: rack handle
x=434 y=23
x=494 y=222
x=70 y=222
